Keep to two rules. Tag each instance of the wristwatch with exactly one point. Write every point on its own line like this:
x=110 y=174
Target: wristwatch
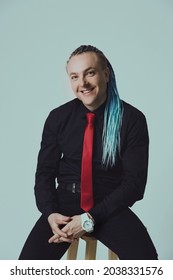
x=87 y=223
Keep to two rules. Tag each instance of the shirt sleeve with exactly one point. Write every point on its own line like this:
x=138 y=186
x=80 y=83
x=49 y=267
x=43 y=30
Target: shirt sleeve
x=47 y=168
x=134 y=161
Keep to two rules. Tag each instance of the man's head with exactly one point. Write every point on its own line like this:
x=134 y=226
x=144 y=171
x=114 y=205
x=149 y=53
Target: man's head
x=89 y=76
x=93 y=81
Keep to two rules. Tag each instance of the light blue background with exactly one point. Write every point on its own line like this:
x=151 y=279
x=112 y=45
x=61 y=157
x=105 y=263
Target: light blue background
x=36 y=38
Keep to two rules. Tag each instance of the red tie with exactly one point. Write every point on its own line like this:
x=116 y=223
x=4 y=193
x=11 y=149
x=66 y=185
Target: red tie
x=86 y=173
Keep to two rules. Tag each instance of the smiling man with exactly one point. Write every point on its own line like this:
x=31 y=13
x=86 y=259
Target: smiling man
x=92 y=167
x=89 y=79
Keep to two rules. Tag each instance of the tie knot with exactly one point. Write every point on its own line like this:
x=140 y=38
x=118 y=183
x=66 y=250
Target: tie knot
x=90 y=118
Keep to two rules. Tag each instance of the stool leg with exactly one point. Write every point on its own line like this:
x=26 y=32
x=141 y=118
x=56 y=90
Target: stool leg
x=90 y=252
x=72 y=251
x=112 y=255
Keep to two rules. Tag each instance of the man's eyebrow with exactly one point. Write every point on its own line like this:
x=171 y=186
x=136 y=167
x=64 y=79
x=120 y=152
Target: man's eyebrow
x=87 y=69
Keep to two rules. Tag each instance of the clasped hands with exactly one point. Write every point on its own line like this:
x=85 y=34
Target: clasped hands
x=64 y=228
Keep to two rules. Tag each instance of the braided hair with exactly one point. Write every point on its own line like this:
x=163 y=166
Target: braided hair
x=113 y=111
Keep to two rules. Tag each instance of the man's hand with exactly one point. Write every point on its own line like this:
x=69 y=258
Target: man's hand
x=74 y=228
x=56 y=221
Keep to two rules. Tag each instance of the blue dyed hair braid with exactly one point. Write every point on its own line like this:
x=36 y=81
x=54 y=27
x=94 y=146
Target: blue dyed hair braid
x=113 y=111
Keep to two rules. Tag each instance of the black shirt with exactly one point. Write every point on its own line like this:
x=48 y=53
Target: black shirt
x=61 y=152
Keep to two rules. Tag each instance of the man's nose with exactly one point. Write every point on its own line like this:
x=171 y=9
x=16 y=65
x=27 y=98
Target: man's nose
x=83 y=81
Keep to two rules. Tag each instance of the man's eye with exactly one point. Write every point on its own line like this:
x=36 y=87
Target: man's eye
x=74 y=78
x=91 y=73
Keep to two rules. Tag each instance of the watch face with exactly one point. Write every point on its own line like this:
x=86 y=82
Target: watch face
x=88 y=225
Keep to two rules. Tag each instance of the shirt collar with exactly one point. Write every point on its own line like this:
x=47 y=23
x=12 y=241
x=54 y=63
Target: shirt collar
x=99 y=112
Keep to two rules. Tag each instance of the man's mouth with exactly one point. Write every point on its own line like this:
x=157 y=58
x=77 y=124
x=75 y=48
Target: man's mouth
x=86 y=91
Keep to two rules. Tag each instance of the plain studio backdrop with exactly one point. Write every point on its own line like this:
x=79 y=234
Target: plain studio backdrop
x=36 y=38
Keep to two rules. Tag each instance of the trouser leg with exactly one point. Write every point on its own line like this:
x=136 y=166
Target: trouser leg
x=125 y=235
x=37 y=247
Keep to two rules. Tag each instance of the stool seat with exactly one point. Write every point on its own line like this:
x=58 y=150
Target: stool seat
x=90 y=249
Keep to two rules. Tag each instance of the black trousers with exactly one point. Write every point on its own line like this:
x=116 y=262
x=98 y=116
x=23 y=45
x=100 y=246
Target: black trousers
x=122 y=232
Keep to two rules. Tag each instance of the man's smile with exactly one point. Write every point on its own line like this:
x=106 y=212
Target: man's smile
x=87 y=91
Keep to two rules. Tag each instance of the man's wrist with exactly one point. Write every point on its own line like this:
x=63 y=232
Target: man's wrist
x=89 y=215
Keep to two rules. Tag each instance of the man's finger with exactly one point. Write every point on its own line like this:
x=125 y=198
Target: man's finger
x=57 y=239
x=63 y=239
x=58 y=231
x=54 y=238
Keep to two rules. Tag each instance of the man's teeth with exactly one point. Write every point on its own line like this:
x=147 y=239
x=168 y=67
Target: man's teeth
x=86 y=91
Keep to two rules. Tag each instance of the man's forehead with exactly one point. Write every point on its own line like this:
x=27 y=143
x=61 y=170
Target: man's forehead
x=82 y=62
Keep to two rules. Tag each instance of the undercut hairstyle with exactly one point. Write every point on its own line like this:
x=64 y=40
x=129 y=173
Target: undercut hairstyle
x=113 y=110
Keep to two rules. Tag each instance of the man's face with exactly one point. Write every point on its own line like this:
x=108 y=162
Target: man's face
x=88 y=79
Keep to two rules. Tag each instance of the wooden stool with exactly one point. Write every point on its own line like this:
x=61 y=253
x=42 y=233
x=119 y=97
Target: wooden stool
x=90 y=250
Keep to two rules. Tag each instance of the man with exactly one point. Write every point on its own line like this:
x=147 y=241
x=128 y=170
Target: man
x=116 y=174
